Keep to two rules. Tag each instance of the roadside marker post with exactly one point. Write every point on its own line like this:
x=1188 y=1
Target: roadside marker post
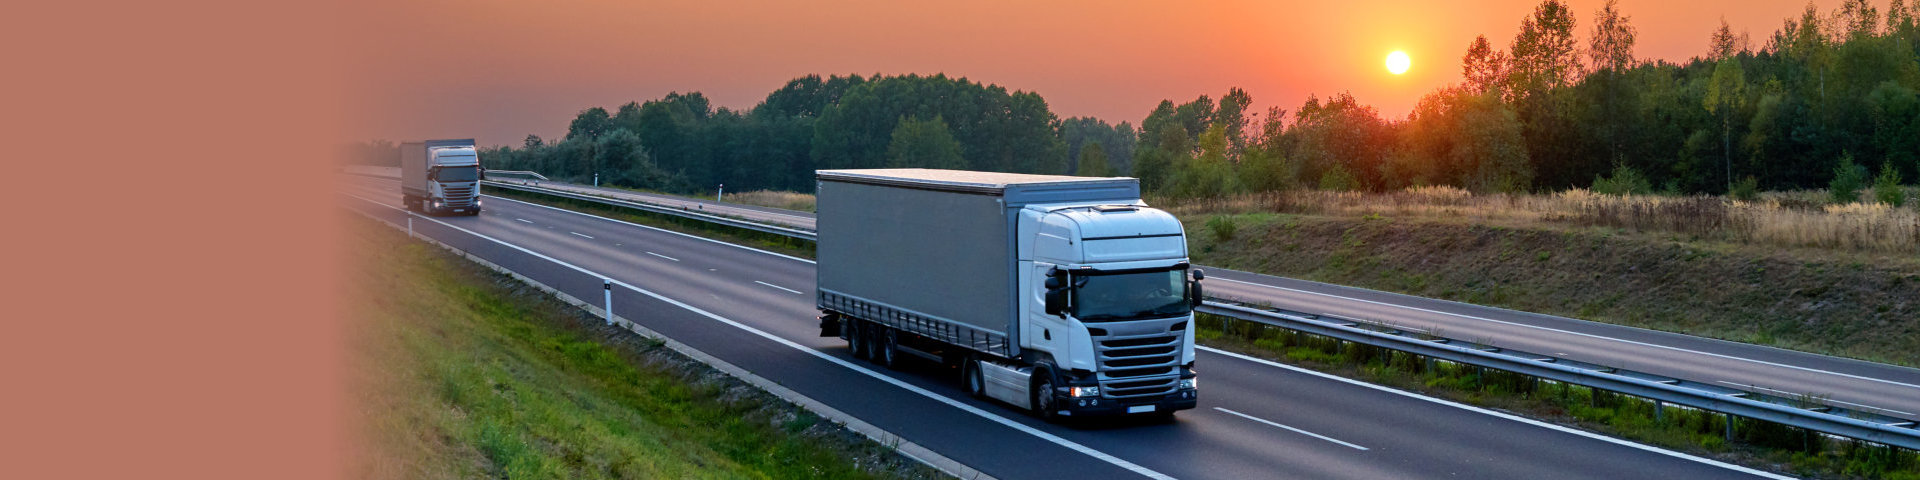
x=606 y=285
x=409 y=226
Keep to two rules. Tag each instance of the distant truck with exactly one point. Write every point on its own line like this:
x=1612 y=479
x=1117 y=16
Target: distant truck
x=1067 y=296
x=439 y=177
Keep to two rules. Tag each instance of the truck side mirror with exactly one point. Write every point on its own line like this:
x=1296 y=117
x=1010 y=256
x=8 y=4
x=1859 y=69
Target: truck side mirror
x=1056 y=301
x=1056 y=291
x=1193 y=287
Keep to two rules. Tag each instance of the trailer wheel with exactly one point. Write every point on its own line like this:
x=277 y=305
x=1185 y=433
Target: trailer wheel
x=856 y=338
x=971 y=377
x=888 y=353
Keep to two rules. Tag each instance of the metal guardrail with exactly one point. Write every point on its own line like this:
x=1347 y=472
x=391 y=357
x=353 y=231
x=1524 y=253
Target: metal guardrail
x=1807 y=413
x=521 y=173
x=678 y=212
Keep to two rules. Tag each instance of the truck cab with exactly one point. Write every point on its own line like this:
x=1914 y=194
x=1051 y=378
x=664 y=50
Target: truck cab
x=441 y=177
x=1109 y=299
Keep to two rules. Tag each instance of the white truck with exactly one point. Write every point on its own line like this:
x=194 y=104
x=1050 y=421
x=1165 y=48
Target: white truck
x=439 y=177
x=1067 y=296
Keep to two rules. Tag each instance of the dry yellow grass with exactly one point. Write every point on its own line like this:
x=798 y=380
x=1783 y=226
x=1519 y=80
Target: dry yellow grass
x=776 y=199
x=1784 y=220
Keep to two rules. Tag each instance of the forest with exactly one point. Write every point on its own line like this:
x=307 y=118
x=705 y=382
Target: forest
x=1827 y=100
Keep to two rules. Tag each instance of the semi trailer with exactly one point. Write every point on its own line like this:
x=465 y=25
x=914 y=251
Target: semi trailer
x=1067 y=296
x=440 y=176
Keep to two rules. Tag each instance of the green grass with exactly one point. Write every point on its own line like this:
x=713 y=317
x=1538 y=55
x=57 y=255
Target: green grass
x=464 y=373
x=1757 y=444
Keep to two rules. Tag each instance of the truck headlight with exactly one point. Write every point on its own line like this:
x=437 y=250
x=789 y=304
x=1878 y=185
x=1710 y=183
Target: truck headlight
x=1084 y=391
x=1189 y=383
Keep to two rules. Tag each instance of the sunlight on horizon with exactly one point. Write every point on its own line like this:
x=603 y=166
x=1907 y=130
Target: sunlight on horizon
x=1398 y=62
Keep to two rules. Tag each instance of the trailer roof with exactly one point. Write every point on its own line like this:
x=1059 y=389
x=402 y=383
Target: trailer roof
x=953 y=179
x=1014 y=188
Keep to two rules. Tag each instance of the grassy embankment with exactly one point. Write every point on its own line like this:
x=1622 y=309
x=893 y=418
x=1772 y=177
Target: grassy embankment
x=464 y=373
x=1837 y=280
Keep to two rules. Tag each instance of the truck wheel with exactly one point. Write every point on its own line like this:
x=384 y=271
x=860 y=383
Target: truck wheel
x=888 y=353
x=972 y=379
x=856 y=339
x=1043 y=396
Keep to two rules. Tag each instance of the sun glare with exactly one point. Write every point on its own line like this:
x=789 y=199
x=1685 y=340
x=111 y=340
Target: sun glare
x=1397 y=62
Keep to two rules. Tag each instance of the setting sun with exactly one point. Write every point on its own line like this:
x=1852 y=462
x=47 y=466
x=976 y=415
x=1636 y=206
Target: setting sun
x=1397 y=62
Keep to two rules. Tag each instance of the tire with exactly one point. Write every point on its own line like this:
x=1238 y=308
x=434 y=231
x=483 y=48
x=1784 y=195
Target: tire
x=1043 y=396
x=888 y=353
x=971 y=379
x=856 y=340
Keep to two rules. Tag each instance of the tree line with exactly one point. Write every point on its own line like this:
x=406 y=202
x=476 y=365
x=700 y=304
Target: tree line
x=1825 y=98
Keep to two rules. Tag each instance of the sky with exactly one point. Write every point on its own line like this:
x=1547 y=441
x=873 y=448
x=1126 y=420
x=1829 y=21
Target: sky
x=498 y=70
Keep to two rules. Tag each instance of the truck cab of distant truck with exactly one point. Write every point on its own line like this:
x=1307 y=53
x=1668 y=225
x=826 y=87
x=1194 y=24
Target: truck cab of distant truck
x=441 y=177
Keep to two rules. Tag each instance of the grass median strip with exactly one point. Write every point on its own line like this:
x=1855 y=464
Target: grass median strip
x=461 y=372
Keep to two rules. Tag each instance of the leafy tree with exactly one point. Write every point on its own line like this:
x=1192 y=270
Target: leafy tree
x=924 y=144
x=533 y=141
x=589 y=124
x=1208 y=175
x=1886 y=187
x=1848 y=178
x=1610 y=47
x=1543 y=52
x=1726 y=93
x=1093 y=162
x=1724 y=43
x=1484 y=68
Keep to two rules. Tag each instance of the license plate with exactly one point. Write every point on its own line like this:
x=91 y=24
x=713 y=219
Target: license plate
x=1140 y=409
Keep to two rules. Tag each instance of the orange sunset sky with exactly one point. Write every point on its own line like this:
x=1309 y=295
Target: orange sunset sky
x=498 y=70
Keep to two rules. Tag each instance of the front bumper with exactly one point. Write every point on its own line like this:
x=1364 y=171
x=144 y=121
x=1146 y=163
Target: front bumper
x=1181 y=399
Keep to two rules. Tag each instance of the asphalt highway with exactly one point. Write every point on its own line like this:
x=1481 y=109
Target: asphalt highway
x=1256 y=419
x=1881 y=388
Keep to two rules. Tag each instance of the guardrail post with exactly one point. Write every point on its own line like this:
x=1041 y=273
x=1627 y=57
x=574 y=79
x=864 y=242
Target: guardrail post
x=1659 y=412
x=606 y=285
x=1729 y=427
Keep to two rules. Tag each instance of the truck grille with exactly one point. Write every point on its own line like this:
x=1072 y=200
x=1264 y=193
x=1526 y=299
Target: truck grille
x=459 y=196
x=1144 y=367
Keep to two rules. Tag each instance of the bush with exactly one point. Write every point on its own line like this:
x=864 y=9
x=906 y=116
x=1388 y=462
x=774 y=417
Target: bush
x=1625 y=181
x=1886 y=187
x=1223 y=227
x=1338 y=180
x=1746 y=190
x=1847 y=181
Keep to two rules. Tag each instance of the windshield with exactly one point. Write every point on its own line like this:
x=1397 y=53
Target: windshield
x=457 y=174
x=1131 y=295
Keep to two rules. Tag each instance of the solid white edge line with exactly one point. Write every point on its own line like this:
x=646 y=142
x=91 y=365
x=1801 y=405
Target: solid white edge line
x=795 y=292
x=663 y=256
x=1294 y=430
x=1508 y=416
x=1569 y=332
x=584 y=214
x=581 y=234
x=1023 y=428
